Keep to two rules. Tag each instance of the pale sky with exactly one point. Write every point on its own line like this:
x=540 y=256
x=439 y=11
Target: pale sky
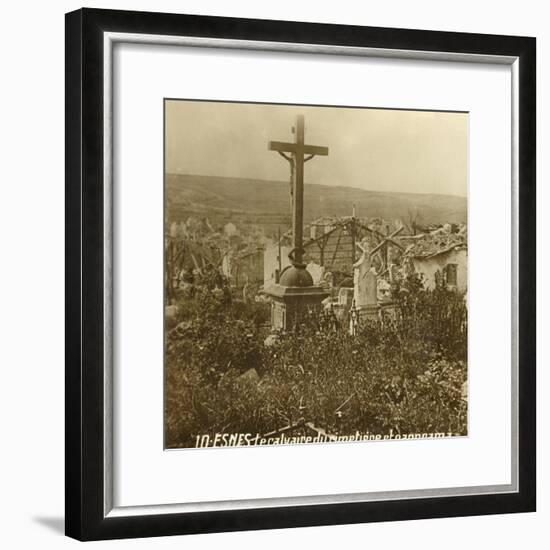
x=373 y=149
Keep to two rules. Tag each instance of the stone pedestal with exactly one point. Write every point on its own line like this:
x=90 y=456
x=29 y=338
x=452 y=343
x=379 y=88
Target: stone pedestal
x=294 y=299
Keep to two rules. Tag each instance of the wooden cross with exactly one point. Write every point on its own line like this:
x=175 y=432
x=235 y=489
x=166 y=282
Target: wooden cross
x=298 y=151
x=383 y=246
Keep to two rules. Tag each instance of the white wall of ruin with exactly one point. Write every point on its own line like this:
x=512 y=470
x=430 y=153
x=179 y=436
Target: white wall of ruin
x=428 y=267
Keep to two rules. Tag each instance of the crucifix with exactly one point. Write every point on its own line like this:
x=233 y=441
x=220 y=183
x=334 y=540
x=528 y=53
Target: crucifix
x=295 y=153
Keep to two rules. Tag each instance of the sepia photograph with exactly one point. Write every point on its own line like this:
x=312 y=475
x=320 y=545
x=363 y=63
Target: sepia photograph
x=315 y=274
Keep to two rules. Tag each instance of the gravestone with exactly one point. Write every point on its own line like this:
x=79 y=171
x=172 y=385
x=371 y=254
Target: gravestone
x=317 y=272
x=364 y=281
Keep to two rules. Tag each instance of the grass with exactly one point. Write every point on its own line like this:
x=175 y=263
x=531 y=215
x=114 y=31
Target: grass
x=404 y=377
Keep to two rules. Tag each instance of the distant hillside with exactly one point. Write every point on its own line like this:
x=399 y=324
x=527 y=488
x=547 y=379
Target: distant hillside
x=267 y=203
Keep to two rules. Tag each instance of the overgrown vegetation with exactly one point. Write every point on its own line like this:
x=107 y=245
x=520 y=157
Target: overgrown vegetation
x=405 y=375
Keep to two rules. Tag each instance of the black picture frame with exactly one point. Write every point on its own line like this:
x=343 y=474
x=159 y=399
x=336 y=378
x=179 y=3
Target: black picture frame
x=84 y=493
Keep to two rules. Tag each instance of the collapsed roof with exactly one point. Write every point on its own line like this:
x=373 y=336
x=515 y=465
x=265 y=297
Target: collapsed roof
x=438 y=242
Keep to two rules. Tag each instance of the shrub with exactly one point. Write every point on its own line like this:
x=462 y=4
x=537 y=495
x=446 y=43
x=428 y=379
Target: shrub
x=404 y=375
